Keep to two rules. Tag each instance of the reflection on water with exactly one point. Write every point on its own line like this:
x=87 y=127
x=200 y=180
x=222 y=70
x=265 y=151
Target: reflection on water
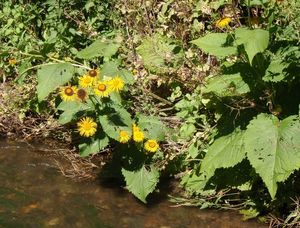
x=34 y=194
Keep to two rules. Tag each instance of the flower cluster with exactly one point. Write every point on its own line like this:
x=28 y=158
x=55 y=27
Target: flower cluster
x=138 y=136
x=90 y=83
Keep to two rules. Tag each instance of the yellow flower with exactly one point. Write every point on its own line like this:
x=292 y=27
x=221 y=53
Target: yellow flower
x=102 y=89
x=86 y=81
x=68 y=93
x=116 y=84
x=135 y=128
x=138 y=136
x=124 y=137
x=12 y=61
x=151 y=145
x=93 y=73
x=223 y=22
x=87 y=127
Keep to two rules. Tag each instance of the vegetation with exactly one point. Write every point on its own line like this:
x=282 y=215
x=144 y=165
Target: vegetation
x=204 y=90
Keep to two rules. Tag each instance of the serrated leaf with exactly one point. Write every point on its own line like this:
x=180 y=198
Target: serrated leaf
x=52 y=76
x=225 y=152
x=254 y=41
x=112 y=124
x=160 y=53
x=99 y=48
x=227 y=85
x=273 y=148
x=95 y=146
x=214 y=44
x=152 y=127
x=141 y=182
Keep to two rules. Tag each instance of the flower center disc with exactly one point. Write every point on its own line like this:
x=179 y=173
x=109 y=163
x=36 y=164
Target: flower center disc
x=102 y=87
x=69 y=91
x=152 y=144
x=81 y=93
x=92 y=73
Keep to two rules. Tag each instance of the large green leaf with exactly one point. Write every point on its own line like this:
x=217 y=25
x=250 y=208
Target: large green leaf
x=160 y=54
x=227 y=85
x=99 y=48
x=95 y=146
x=152 y=126
x=70 y=108
x=111 y=69
x=275 y=71
x=113 y=123
x=214 y=44
x=225 y=152
x=273 y=148
x=52 y=76
x=254 y=41
x=141 y=182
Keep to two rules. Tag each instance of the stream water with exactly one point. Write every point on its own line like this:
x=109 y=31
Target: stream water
x=34 y=194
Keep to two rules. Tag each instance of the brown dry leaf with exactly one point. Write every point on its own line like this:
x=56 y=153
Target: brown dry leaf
x=27 y=209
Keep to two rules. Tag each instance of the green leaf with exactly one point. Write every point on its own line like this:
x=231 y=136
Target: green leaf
x=141 y=182
x=152 y=127
x=70 y=108
x=52 y=76
x=99 y=48
x=187 y=130
x=226 y=85
x=225 y=152
x=160 y=54
x=274 y=72
x=215 y=44
x=273 y=148
x=113 y=123
x=110 y=69
x=94 y=147
x=254 y=41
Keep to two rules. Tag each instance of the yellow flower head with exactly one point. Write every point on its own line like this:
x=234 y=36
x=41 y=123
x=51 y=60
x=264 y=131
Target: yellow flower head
x=87 y=127
x=138 y=136
x=116 y=84
x=12 y=61
x=151 y=145
x=82 y=94
x=93 y=73
x=135 y=128
x=102 y=89
x=68 y=93
x=86 y=81
x=223 y=22
x=124 y=137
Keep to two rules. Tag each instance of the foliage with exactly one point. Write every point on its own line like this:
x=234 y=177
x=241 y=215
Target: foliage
x=106 y=121
x=239 y=131
x=258 y=123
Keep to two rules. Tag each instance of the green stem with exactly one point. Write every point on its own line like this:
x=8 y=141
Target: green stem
x=249 y=14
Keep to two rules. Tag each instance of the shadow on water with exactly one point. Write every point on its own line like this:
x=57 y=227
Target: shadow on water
x=34 y=194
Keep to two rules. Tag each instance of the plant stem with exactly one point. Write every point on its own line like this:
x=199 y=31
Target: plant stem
x=249 y=13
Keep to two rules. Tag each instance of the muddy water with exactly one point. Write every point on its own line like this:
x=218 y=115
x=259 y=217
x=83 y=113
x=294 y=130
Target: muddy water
x=34 y=194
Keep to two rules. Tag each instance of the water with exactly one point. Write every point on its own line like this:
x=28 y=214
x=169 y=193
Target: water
x=34 y=194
